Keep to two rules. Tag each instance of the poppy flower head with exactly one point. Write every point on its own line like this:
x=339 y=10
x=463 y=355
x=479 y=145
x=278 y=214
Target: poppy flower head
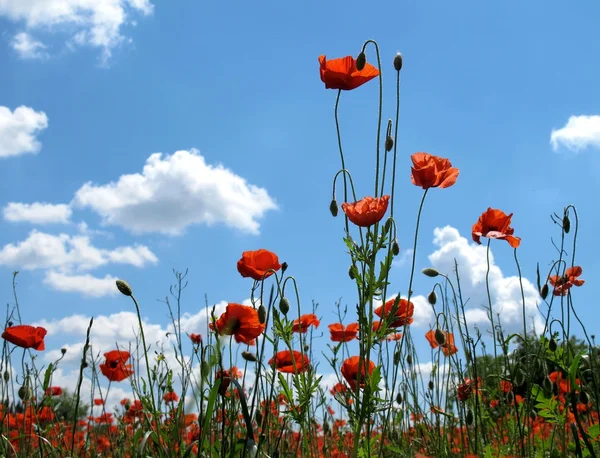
x=403 y=314
x=225 y=377
x=342 y=73
x=240 y=321
x=448 y=347
x=25 y=336
x=367 y=211
x=430 y=171
x=302 y=323
x=170 y=396
x=351 y=373
x=562 y=284
x=339 y=333
x=114 y=367
x=290 y=362
x=495 y=224
x=258 y=264
x=54 y=391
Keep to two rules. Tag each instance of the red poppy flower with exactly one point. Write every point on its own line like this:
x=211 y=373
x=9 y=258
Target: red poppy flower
x=495 y=224
x=342 y=73
x=448 y=347
x=100 y=402
x=302 y=324
x=225 y=377
x=54 y=391
x=339 y=333
x=367 y=211
x=25 y=336
x=284 y=362
x=240 y=321
x=403 y=315
x=258 y=264
x=114 y=368
x=464 y=390
x=562 y=284
x=350 y=371
x=170 y=396
x=196 y=339
x=505 y=386
x=430 y=171
x=394 y=337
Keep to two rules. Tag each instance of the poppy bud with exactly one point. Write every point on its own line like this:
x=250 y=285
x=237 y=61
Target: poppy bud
x=430 y=272
x=124 y=288
x=389 y=143
x=430 y=385
x=566 y=224
x=399 y=398
x=351 y=273
x=398 y=62
x=409 y=359
x=6 y=376
x=63 y=350
x=262 y=314
x=397 y=356
x=284 y=266
x=284 y=305
x=544 y=291
x=395 y=248
x=440 y=338
x=552 y=346
x=248 y=356
x=469 y=418
x=432 y=298
x=25 y=393
x=361 y=60
x=306 y=348
x=333 y=208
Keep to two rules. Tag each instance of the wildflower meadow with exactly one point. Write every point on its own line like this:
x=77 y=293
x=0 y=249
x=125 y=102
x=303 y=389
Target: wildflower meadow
x=248 y=381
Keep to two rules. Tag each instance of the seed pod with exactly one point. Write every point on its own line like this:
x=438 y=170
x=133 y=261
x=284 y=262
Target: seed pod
x=430 y=272
x=395 y=248
x=440 y=337
x=432 y=298
x=262 y=314
x=284 y=305
x=124 y=287
x=361 y=61
x=469 y=418
x=398 y=62
x=333 y=208
x=544 y=291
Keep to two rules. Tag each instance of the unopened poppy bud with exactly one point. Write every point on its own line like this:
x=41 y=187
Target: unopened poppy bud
x=333 y=208
x=398 y=62
x=124 y=287
x=248 y=356
x=430 y=385
x=544 y=291
x=284 y=266
x=63 y=350
x=262 y=314
x=395 y=248
x=389 y=143
x=306 y=348
x=432 y=298
x=284 y=305
x=552 y=345
x=566 y=224
x=430 y=272
x=469 y=418
x=25 y=393
x=361 y=60
x=397 y=357
x=6 y=376
x=10 y=323
x=409 y=359
x=351 y=273
x=440 y=338
x=399 y=398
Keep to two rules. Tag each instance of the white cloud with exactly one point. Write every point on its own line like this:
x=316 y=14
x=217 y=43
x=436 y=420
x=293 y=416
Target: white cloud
x=505 y=290
x=37 y=213
x=96 y=23
x=19 y=128
x=175 y=191
x=28 y=47
x=47 y=251
x=579 y=133
x=86 y=285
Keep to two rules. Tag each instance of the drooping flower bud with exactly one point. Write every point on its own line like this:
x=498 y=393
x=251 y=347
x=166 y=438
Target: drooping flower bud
x=566 y=223
x=432 y=298
x=409 y=359
x=25 y=393
x=333 y=208
x=469 y=418
x=262 y=314
x=397 y=357
x=430 y=385
x=398 y=62
x=284 y=305
x=440 y=338
x=389 y=143
x=361 y=60
x=248 y=356
x=124 y=287
x=552 y=345
x=351 y=273
x=399 y=398
x=430 y=272
x=395 y=248
x=544 y=291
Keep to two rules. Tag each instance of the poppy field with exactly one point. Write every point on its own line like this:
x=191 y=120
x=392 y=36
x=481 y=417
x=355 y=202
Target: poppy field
x=486 y=394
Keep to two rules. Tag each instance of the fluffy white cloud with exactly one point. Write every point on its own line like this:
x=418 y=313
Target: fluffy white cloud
x=42 y=251
x=175 y=191
x=505 y=290
x=28 y=47
x=95 y=23
x=87 y=284
x=19 y=128
x=37 y=213
x=579 y=133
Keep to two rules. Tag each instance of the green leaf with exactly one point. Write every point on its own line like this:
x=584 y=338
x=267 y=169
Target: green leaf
x=47 y=376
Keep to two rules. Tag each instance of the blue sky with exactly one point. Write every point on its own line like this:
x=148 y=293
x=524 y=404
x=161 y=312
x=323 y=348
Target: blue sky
x=236 y=89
